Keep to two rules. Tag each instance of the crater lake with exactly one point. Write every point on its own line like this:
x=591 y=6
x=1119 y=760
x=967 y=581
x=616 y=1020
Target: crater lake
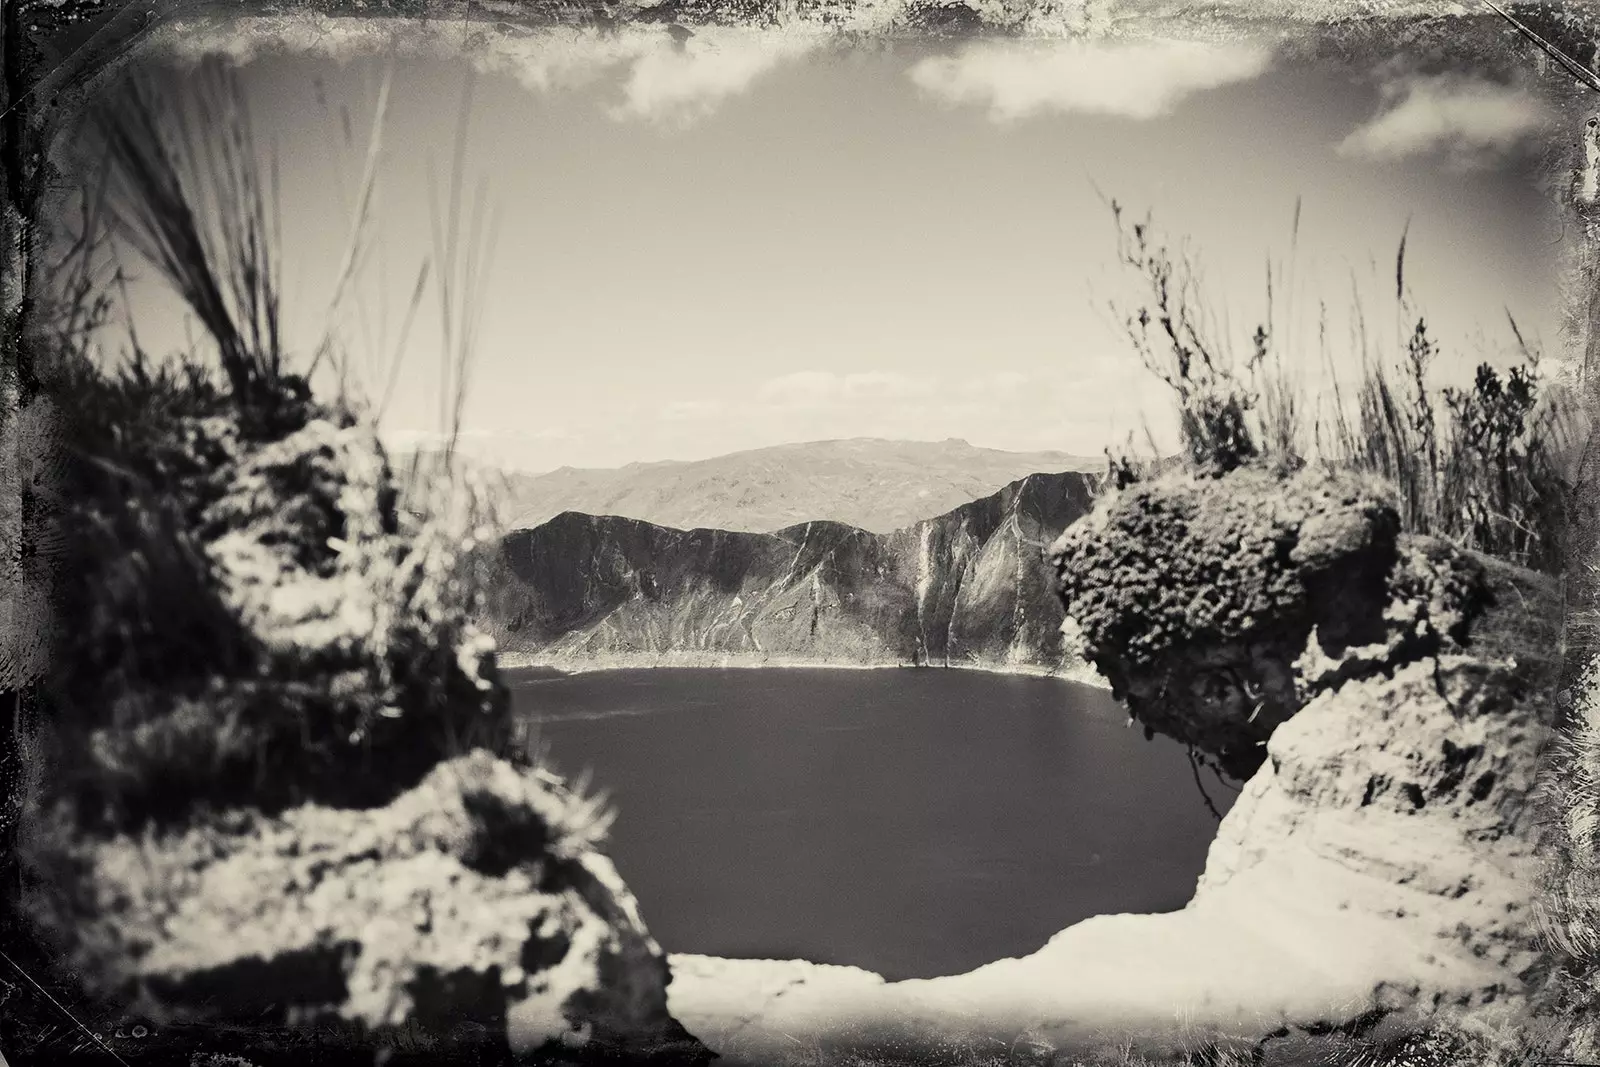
x=915 y=822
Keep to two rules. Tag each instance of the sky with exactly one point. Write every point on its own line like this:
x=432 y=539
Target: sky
x=749 y=239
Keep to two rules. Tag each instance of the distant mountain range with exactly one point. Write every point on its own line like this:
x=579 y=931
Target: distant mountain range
x=874 y=485
x=969 y=587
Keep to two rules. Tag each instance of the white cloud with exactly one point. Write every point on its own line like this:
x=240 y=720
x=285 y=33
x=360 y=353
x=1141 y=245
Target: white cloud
x=678 y=85
x=558 y=60
x=1002 y=384
x=661 y=80
x=1469 y=119
x=801 y=387
x=1138 y=80
x=882 y=385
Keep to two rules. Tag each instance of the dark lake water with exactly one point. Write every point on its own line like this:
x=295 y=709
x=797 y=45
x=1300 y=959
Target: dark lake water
x=915 y=822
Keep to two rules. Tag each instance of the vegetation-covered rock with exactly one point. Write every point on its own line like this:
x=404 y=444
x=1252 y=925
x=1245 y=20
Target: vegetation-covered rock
x=284 y=797
x=280 y=798
x=260 y=623
x=279 y=804
x=1394 y=691
x=1218 y=607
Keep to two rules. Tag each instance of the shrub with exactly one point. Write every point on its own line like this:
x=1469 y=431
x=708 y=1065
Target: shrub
x=1177 y=340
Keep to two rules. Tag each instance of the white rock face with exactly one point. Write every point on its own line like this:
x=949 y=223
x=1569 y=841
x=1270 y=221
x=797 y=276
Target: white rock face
x=1380 y=862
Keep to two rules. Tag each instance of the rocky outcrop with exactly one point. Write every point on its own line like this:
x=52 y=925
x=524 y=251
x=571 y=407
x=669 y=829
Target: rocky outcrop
x=1218 y=607
x=1571 y=889
x=289 y=805
x=1387 y=697
x=966 y=588
x=471 y=910
x=1395 y=693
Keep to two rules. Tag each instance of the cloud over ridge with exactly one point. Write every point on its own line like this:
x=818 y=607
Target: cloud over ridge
x=1136 y=79
x=661 y=80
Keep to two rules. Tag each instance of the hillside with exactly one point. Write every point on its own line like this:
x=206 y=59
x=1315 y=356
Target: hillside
x=969 y=587
x=874 y=485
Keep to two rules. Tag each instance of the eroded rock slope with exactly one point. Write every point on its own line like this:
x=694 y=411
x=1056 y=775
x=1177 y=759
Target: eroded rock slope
x=1386 y=699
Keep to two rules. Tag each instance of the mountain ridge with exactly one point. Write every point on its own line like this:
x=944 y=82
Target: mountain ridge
x=875 y=484
x=968 y=587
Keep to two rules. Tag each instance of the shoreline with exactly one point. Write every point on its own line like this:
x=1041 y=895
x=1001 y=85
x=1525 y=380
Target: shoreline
x=513 y=660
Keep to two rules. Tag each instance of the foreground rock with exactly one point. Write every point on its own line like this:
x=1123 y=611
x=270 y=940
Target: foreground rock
x=288 y=811
x=1387 y=697
x=468 y=911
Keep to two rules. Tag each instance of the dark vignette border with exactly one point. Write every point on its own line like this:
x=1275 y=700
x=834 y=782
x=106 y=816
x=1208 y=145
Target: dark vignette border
x=53 y=52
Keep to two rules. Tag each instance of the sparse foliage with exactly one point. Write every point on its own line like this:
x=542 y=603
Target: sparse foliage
x=267 y=612
x=1493 y=466
x=1178 y=341
x=188 y=190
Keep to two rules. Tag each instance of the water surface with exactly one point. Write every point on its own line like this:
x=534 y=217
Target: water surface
x=915 y=822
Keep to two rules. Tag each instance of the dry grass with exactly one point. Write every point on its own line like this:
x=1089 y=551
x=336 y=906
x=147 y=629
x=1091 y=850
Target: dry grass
x=1495 y=466
x=169 y=697
x=1500 y=465
x=190 y=193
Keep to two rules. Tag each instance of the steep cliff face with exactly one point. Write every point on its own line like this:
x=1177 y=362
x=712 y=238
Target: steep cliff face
x=1387 y=697
x=968 y=587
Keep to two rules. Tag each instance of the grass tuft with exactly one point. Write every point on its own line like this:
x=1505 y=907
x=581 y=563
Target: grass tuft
x=267 y=612
x=1496 y=466
x=189 y=191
